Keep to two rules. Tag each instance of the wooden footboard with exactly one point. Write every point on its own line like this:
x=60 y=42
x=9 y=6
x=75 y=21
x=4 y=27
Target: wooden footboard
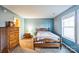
x=47 y=43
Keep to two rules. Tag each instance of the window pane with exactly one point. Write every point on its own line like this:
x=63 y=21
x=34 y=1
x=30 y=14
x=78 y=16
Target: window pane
x=69 y=33
x=68 y=28
x=69 y=21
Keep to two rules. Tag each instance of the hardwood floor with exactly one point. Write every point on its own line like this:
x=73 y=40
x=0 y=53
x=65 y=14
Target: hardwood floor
x=41 y=50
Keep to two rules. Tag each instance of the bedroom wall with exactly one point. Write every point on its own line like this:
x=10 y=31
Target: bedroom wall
x=7 y=15
x=58 y=21
x=38 y=23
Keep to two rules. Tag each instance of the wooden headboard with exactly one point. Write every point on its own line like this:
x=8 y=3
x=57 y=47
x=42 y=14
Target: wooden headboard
x=42 y=29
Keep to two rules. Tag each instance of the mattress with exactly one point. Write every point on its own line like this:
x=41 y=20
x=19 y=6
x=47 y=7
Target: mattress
x=46 y=34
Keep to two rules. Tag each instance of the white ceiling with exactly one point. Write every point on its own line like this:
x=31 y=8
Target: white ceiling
x=37 y=11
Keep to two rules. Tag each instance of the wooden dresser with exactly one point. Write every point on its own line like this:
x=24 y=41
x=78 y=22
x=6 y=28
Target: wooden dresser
x=11 y=38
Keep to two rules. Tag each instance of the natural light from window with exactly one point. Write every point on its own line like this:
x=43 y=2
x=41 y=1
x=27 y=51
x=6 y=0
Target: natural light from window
x=68 y=28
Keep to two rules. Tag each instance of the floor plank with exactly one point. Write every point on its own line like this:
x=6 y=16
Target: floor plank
x=41 y=50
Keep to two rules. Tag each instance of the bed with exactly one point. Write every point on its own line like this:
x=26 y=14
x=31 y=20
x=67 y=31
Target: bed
x=44 y=38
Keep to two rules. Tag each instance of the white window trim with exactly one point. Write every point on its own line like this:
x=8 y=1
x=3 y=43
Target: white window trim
x=65 y=17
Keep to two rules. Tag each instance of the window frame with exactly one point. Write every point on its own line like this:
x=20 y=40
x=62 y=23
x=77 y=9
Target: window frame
x=66 y=17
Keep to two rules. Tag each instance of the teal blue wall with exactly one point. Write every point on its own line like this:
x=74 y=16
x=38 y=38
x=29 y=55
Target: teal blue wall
x=39 y=23
x=58 y=21
x=6 y=16
x=9 y=16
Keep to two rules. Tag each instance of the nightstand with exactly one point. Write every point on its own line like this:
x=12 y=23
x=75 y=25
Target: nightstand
x=27 y=43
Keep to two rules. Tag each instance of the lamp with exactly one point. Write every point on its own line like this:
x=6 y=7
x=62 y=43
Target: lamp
x=17 y=22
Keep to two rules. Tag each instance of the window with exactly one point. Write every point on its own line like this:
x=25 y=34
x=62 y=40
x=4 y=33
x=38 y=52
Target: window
x=68 y=28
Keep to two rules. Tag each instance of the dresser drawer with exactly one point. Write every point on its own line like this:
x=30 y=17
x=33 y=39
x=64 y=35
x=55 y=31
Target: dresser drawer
x=16 y=29
x=13 y=46
x=14 y=43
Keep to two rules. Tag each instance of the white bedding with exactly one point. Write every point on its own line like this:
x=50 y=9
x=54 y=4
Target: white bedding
x=46 y=34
